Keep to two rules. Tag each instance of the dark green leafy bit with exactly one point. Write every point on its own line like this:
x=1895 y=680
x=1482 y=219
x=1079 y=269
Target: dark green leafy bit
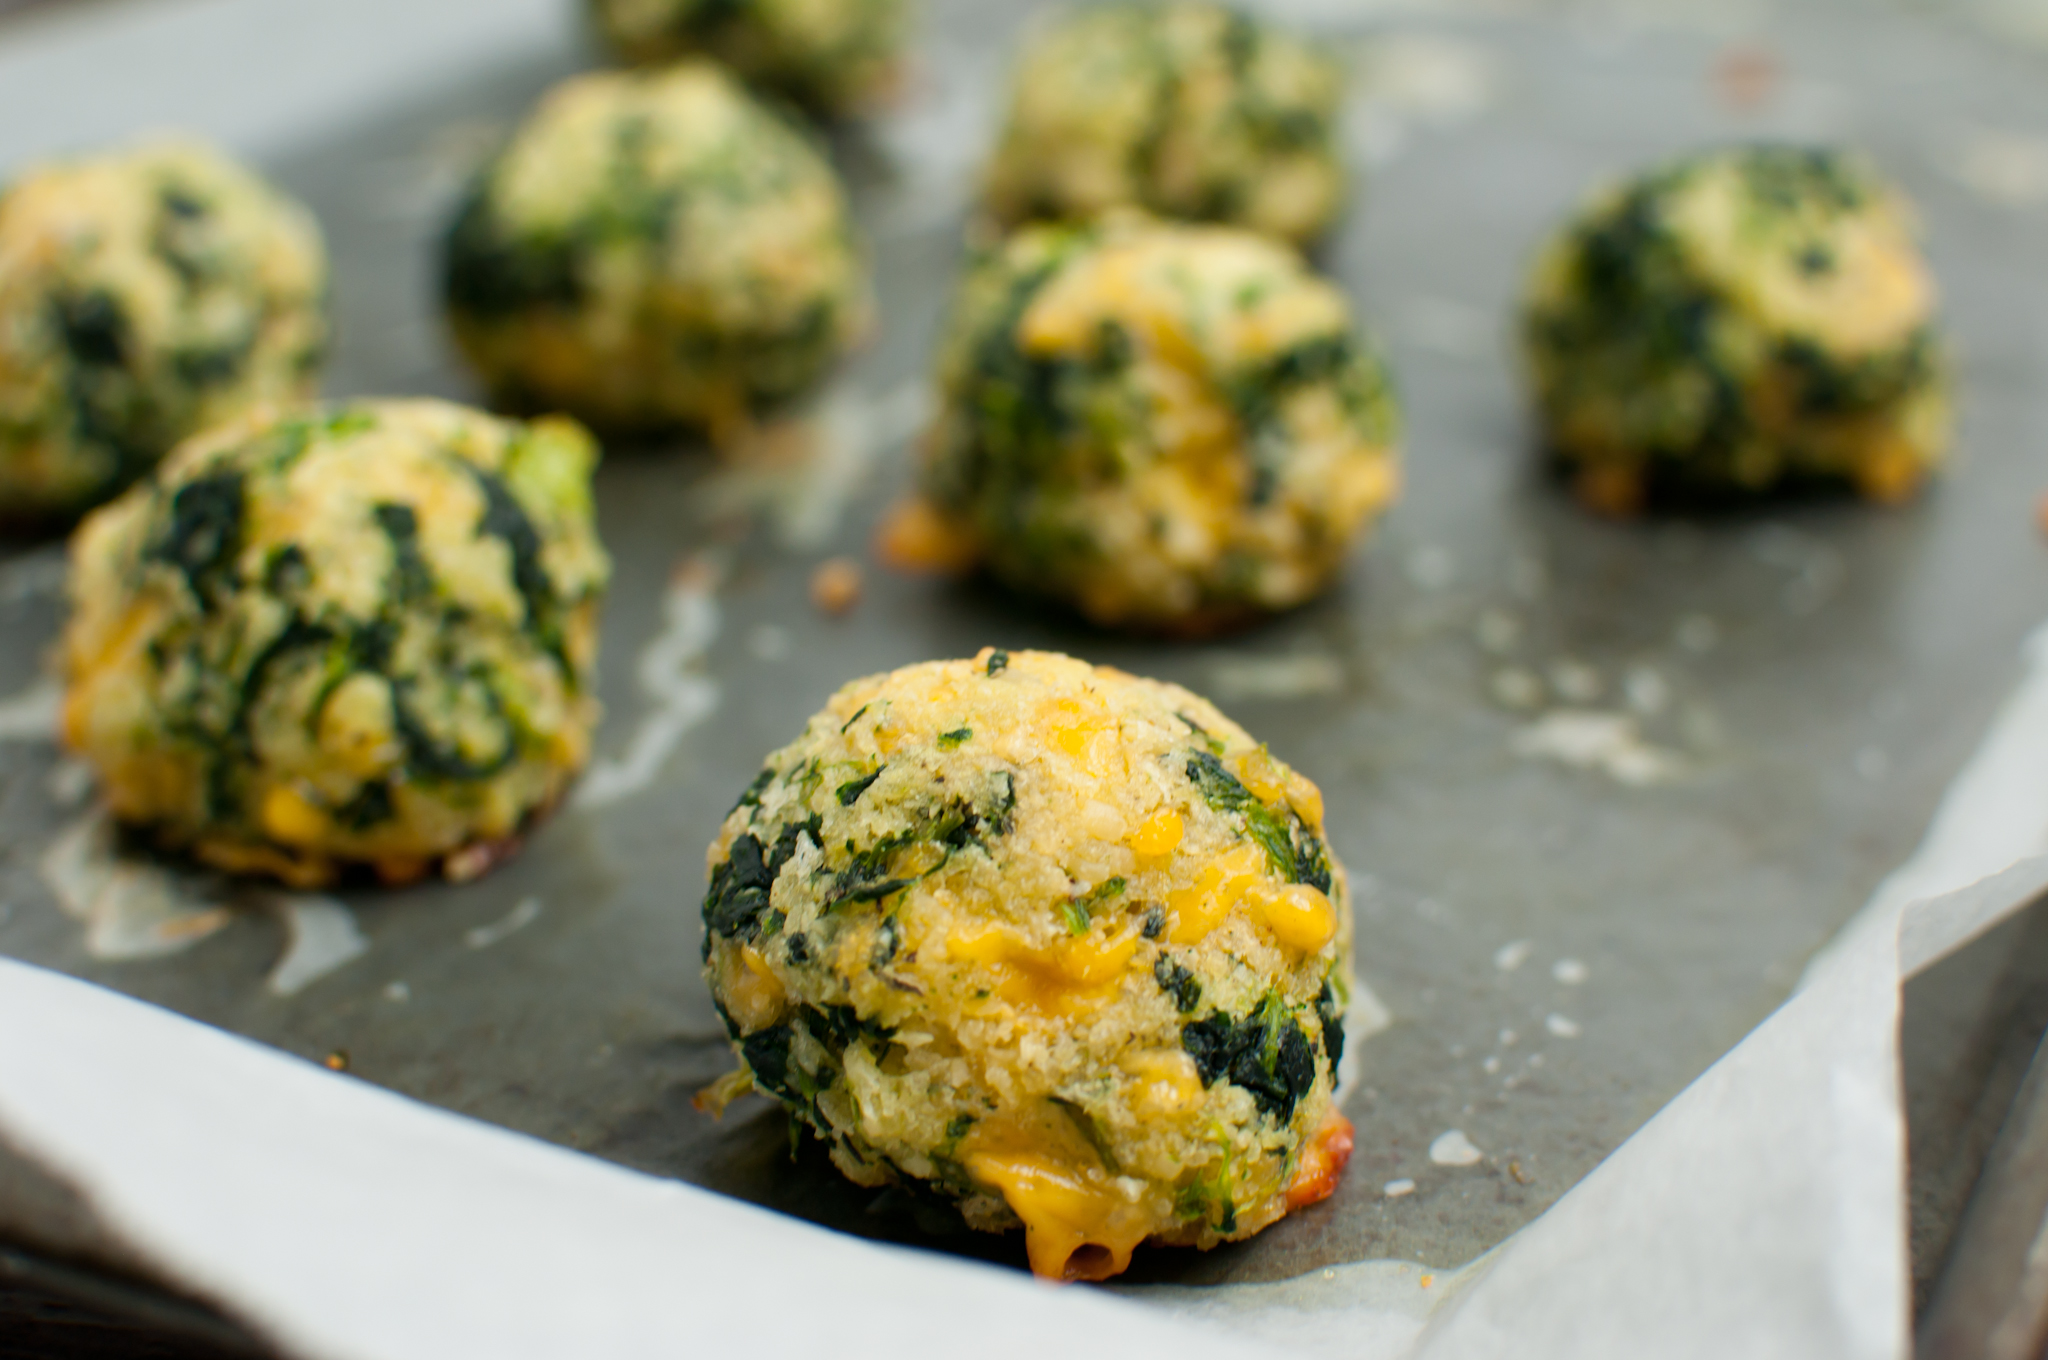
x=1331 y=1012
x=1267 y=1053
x=94 y=329
x=1177 y=982
x=1216 y=1190
x=1155 y=921
x=857 y=713
x=741 y=883
x=489 y=271
x=505 y=519
x=840 y=1027
x=771 y=1055
x=956 y=825
x=1295 y=852
x=205 y=532
x=766 y=1054
x=1641 y=321
x=1091 y=1132
x=959 y=735
x=752 y=797
x=1079 y=912
x=998 y=661
x=849 y=793
x=411 y=579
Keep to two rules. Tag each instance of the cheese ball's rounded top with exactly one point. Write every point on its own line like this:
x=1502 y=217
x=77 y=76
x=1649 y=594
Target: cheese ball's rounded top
x=834 y=56
x=358 y=635
x=654 y=248
x=1170 y=427
x=1190 y=110
x=1062 y=944
x=1738 y=321
x=144 y=295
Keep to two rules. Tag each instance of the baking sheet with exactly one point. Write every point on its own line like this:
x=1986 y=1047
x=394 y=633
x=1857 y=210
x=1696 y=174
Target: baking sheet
x=1822 y=669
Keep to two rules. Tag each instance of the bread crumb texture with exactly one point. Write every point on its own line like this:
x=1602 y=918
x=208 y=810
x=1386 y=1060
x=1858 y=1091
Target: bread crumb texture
x=1063 y=945
x=1739 y=321
x=145 y=295
x=355 y=635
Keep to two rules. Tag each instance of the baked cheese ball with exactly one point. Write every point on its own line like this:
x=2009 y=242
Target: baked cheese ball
x=1171 y=427
x=1736 y=322
x=144 y=295
x=1188 y=109
x=1061 y=944
x=835 y=56
x=654 y=248
x=361 y=635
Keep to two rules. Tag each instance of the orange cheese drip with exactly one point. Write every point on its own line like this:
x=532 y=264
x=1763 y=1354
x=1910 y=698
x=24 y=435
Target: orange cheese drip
x=1323 y=1160
x=1199 y=909
x=1076 y=1224
x=1072 y=975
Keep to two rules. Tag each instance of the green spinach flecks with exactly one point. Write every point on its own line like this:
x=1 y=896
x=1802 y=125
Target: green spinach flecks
x=205 y=533
x=1295 y=852
x=742 y=883
x=752 y=797
x=953 y=739
x=1177 y=982
x=998 y=661
x=410 y=577
x=849 y=793
x=1078 y=912
x=505 y=519
x=1331 y=1012
x=1266 y=1052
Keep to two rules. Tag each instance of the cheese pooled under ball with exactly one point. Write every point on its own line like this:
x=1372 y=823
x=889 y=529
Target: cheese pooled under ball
x=1736 y=322
x=1061 y=944
x=361 y=635
x=144 y=295
x=655 y=248
x=1172 y=428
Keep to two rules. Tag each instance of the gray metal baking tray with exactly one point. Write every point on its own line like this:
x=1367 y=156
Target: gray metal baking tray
x=1560 y=949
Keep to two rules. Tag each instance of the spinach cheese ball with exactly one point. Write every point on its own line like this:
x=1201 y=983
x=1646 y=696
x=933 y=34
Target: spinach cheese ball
x=1738 y=322
x=1190 y=110
x=1173 y=428
x=1062 y=945
x=654 y=248
x=354 y=636
x=834 y=56
x=144 y=295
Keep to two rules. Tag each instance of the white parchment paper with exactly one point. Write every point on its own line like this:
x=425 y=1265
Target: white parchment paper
x=1760 y=1214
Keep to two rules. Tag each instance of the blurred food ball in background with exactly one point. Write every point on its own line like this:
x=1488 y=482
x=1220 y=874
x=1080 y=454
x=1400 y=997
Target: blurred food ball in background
x=1190 y=110
x=145 y=294
x=1737 y=322
x=653 y=249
